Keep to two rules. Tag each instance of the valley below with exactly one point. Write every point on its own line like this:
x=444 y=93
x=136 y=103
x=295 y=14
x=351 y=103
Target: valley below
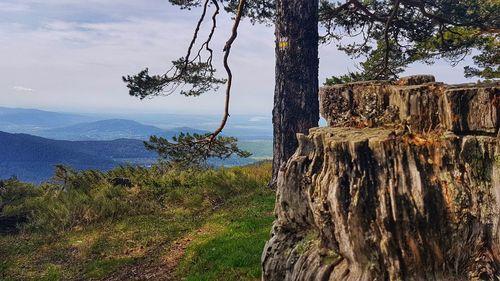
x=33 y=142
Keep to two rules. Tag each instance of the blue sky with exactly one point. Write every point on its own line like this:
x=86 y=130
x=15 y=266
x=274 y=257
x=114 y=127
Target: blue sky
x=69 y=55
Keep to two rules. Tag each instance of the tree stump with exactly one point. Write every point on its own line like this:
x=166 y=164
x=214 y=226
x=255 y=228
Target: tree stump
x=403 y=185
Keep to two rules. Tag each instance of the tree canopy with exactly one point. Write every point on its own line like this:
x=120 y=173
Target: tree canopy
x=395 y=33
x=196 y=71
x=386 y=35
x=184 y=152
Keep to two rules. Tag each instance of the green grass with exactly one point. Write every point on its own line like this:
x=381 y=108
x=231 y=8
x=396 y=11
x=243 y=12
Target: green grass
x=232 y=246
x=92 y=252
x=228 y=212
x=100 y=268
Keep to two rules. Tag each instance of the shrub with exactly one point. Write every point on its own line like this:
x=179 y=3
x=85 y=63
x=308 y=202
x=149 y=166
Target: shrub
x=13 y=192
x=75 y=199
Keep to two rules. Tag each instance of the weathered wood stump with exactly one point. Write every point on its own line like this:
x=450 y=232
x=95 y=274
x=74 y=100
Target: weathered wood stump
x=415 y=196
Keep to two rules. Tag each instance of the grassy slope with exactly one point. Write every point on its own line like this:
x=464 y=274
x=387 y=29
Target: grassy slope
x=231 y=244
x=226 y=243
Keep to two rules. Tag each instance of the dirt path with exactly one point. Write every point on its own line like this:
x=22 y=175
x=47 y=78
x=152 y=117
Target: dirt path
x=159 y=263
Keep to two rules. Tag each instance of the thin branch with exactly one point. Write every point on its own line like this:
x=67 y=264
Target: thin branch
x=387 y=48
x=334 y=12
x=179 y=72
x=367 y=12
x=212 y=31
x=195 y=36
x=209 y=38
x=227 y=51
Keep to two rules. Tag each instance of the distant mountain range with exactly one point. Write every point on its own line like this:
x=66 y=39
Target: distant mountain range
x=111 y=129
x=32 y=141
x=20 y=120
x=66 y=126
x=33 y=158
x=71 y=126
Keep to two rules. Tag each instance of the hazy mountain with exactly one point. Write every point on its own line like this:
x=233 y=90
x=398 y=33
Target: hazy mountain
x=33 y=158
x=89 y=126
x=102 y=130
x=92 y=142
x=244 y=127
x=20 y=120
x=109 y=130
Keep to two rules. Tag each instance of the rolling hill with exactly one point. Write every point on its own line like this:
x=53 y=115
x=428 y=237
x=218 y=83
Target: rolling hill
x=20 y=120
x=33 y=158
x=111 y=129
x=88 y=126
x=33 y=141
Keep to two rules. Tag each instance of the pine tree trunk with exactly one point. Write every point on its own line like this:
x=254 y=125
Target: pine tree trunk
x=296 y=107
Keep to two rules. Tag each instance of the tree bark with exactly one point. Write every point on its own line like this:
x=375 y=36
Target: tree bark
x=296 y=106
x=403 y=185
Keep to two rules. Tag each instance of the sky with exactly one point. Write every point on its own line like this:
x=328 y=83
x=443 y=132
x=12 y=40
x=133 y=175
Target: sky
x=69 y=55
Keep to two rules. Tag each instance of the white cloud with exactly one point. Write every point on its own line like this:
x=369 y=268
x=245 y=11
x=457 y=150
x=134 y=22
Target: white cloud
x=80 y=64
x=74 y=54
x=22 y=89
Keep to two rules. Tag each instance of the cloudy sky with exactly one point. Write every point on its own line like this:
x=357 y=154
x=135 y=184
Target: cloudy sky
x=69 y=55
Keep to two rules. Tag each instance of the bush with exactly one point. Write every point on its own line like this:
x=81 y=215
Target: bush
x=14 y=192
x=76 y=199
